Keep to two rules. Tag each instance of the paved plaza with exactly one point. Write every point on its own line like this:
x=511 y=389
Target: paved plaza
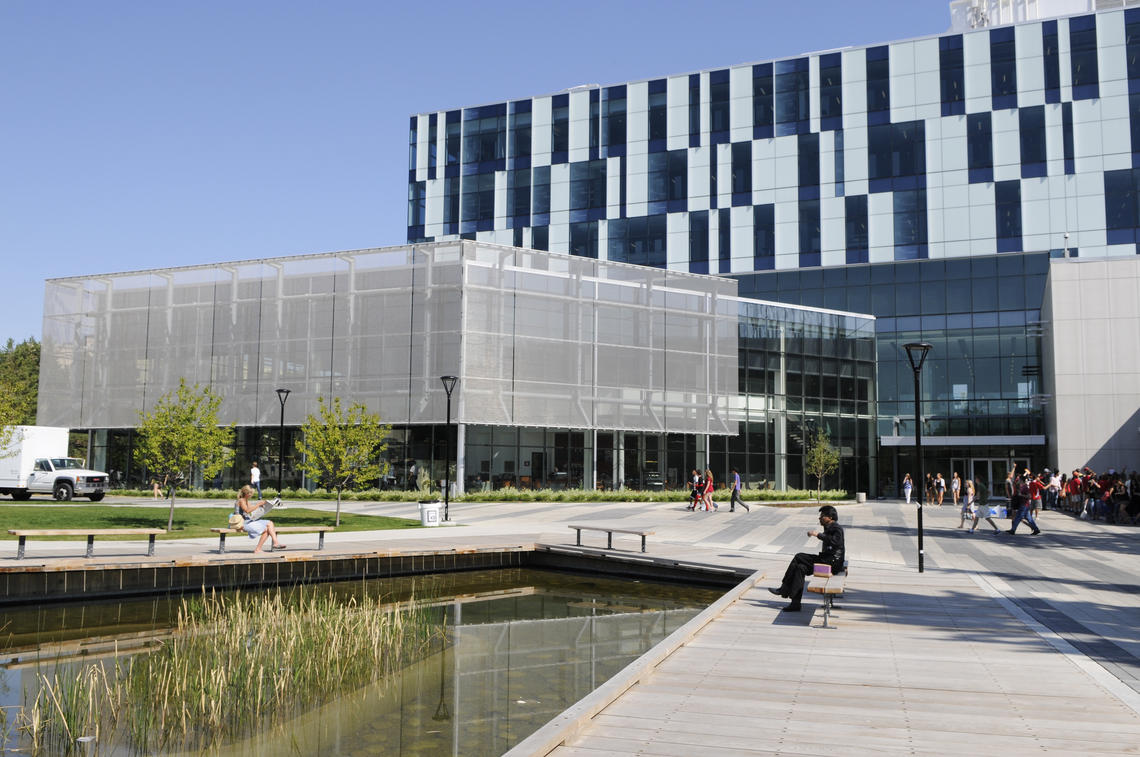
x=1004 y=645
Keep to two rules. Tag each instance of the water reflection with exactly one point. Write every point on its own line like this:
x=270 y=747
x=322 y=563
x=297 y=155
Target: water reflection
x=521 y=646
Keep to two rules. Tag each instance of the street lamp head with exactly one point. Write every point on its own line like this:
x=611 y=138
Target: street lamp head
x=448 y=383
x=282 y=395
x=916 y=354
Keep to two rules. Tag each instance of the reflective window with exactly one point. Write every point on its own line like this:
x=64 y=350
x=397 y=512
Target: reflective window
x=856 y=228
x=792 y=96
x=878 y=84
x=808 y=160
x=1007 y=197
x=1051 y=59
x=764 y=237
x=980 y=147
x=699 y=238
x=484 y=133
x=518 y=196
x=584 y=239
x=613 y=127
x=910 y=225
x=1003 y=68
x=718 y=105
x=1082 y=57
x=763 y=109
x=742 y=173
x=952 y=75
x=520 y=129
x=588 y=185
x=658 y=113
x=810 y=244
x=1031 y=122
x=560 y=125
x=831 y=91
x=540 y=190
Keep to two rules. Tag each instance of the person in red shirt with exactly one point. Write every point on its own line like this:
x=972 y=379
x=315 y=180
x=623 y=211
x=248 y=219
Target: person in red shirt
x=1076 y=492
x=1037 y=485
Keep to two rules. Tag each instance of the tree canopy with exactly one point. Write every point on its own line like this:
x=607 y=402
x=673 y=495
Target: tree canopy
x=182 y=433
x=343 y=449
x=20 y=379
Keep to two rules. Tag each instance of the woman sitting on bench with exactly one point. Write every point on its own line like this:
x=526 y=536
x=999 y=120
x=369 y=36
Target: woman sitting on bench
x=255 y=528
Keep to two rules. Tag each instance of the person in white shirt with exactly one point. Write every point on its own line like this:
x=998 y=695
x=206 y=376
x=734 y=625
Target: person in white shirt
x=255 y=478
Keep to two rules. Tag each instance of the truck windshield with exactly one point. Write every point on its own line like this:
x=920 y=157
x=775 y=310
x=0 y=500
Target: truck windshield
x=66 y=462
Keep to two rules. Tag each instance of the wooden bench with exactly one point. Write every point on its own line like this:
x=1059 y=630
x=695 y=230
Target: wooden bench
x=322 y=530
x=90 y=533
x=829 y=585
x=610 y=531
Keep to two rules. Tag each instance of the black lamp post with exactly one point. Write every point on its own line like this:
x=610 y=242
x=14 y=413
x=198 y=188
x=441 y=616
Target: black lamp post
x=282 y=395
x=448 y=386
x=916 y=354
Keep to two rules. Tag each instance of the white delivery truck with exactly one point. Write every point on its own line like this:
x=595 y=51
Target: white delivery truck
x=36 y=462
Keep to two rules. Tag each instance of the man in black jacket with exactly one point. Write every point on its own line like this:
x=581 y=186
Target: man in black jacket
x=802 y=564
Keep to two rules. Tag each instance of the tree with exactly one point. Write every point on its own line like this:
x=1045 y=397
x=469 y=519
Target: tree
x=183 y=432
x=821 y=460
x=342 y=449
x=20 y=378
x=9 y=419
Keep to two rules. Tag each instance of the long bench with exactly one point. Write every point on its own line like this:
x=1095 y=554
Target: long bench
x=610 y=531
x=322 y=530
x=90 y=533
x=829 y=585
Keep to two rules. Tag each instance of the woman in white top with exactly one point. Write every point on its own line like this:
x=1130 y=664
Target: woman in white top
x=955 y=487
x=255 y=528
x=908 y=487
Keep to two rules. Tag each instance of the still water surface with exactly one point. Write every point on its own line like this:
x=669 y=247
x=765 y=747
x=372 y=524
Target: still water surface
x=521 y=646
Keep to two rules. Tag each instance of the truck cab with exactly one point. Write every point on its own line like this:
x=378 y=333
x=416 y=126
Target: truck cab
x=66 y=477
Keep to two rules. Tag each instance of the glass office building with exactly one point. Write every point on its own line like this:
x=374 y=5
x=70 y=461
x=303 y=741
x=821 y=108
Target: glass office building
x=572 y=372
x=931 y=182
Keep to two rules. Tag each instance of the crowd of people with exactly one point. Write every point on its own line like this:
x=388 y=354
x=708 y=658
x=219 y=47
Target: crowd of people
x=1111 y=496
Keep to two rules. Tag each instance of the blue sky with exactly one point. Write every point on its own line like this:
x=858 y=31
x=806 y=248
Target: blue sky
x=140 y=135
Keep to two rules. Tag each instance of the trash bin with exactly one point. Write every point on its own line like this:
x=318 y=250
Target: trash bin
x=860 y=497
x=429 y=513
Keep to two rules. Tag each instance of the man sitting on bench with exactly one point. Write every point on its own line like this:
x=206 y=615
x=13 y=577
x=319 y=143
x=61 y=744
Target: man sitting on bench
x=802 y=564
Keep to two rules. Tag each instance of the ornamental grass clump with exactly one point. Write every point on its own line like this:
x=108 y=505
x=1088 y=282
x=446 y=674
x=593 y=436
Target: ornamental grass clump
x=232 y=667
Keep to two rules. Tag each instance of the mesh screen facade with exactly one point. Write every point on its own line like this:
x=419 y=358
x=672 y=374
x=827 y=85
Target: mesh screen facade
x=537 y=339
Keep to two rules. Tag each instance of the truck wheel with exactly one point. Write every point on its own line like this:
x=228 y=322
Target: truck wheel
x=63 y=491
x=21 y=495
x=96 y=497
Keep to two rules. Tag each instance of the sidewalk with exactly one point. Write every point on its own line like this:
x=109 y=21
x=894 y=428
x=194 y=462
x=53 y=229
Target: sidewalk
x=1005 y=644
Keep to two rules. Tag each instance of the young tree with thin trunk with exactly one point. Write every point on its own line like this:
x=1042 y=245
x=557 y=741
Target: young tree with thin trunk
x=821 y=460
x=343 y=449
x=182 y=432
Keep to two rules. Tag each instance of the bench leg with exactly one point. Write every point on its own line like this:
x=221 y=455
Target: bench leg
x=643 y=542
x=90 y=545
x=321 y=541
x=609 y=539
x=577 y=531
x=20 y=549
x=221 y=544
x=150 y=546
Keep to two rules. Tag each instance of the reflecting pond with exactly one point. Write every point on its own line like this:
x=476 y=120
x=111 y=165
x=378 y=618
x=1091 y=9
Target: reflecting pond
x=518 y=647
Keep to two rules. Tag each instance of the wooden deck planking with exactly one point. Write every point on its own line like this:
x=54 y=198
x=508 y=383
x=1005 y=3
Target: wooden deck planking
x=929 y=670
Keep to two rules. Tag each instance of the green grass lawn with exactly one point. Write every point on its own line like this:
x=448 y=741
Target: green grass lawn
x=189 y=522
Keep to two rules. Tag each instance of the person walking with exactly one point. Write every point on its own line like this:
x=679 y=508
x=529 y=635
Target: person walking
x=955 y=487
x=155 y=490
x=255 y=478
x=708 y=492
x=939 y=489
x=908 y=487
x=1024 y=507
x=696 y=489
x=982 y=504
x=969 y=512
x=736 y=498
